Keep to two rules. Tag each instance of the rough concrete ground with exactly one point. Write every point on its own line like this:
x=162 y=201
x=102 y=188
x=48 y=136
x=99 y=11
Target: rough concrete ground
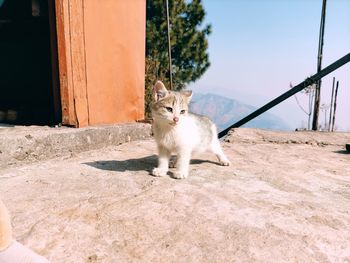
x=286 y=198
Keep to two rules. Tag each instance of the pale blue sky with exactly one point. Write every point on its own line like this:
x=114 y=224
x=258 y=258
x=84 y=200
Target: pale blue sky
x=258 y=47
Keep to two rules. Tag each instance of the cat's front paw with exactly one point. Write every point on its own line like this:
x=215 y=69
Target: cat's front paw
x=159 y=172
x=180 y=175
x=225 y=162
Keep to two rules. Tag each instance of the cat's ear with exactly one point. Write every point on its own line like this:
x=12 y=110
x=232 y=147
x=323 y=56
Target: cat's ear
x=187 y=94
x=159 y=91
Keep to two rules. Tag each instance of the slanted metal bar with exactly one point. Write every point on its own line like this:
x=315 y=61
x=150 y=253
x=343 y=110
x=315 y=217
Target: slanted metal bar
x=309 y=81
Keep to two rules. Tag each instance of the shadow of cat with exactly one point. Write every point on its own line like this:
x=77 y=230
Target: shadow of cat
x=139 y=164
x=342 y=152
x=146 y=163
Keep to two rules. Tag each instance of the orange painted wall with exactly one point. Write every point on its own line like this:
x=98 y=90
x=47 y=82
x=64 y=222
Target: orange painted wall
x=101 y=48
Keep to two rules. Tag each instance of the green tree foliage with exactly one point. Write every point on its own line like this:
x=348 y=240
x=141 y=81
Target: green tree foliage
x=188 y=40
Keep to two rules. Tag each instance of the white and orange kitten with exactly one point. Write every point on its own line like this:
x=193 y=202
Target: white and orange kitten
x=179 y=132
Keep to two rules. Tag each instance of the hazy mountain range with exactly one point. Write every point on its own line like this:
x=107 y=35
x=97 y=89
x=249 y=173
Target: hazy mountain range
x=225 y=112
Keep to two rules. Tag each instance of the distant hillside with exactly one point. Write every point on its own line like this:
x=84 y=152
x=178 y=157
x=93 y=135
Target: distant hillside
x=225 y=112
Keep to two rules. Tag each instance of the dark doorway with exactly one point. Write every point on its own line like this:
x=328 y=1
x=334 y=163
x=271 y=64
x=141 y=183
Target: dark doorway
x=29 y=92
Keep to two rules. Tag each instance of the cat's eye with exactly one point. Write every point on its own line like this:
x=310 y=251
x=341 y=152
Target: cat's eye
x=169 y=109
x=182 y=112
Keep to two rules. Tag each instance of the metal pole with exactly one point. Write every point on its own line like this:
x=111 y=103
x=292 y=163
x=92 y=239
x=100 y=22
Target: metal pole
x=331 y=109
x=325 y=118
x=319 y=66
x=335 y=105
x=309 y=81
x=169 y=45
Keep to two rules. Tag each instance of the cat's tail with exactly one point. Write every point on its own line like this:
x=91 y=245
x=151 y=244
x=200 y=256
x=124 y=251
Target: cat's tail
x=5 y=228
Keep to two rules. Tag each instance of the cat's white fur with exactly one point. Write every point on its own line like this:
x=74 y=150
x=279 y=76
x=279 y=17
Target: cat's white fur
x=180 y=132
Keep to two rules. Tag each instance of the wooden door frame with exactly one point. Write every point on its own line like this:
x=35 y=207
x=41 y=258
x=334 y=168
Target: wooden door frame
x=71 y=62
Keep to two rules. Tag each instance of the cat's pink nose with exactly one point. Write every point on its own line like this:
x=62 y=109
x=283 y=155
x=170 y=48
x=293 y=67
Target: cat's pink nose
x=176 y=119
